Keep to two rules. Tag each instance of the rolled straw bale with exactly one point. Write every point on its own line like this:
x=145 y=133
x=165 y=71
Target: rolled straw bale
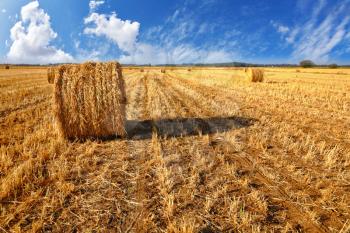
x=51 y=74
x=90 y=100
x=255 y=75
x=162 y=71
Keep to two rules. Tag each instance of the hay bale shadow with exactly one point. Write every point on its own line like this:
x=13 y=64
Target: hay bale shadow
x=176 y=127
x=184 y=127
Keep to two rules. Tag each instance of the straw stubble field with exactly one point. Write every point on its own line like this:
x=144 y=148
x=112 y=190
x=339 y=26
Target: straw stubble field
x=206 y=152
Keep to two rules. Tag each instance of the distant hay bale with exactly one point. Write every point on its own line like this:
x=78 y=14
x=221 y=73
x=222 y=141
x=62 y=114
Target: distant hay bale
x=255 y=75
x=7 y=67
x=298 y=71
x=90 y=100
x=162 y=71
x=245 y=70
x=142 y=70
x=189 y=69
x=51 y=74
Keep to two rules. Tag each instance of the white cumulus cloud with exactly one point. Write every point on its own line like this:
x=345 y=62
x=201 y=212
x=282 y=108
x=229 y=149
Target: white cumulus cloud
x=95 y=4
x=31 y=38
x=122 y=33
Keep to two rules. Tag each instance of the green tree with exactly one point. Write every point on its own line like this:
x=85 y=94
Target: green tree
x=307 y=64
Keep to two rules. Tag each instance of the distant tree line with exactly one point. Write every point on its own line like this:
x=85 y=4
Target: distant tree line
x=304 y=64
x=310 y=64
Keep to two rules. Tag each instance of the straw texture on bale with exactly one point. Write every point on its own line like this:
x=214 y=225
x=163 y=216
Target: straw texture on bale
x=51 y=74
x=255 y=75
x=90 y=100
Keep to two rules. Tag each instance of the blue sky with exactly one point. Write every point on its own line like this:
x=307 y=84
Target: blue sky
x=181 y=31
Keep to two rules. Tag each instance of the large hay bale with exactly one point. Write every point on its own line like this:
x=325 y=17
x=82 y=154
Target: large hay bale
x=142 y=70
x=90 y=100
x=7 y=67
x=162 y=71
x=255 y=75
x=51 y=74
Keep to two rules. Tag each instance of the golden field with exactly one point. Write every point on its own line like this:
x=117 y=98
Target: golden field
x=206 y=151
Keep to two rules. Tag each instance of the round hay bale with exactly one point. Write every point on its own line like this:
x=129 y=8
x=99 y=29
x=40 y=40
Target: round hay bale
x=142 y=70
x=255 y=75
x=7 y=67
x=51 y=74
x=162 y=71
x=90 y=100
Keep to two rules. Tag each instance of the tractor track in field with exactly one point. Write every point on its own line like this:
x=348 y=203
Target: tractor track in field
x=135 y=193
x=163 y=174
x=147 y=214
x=143 y=167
